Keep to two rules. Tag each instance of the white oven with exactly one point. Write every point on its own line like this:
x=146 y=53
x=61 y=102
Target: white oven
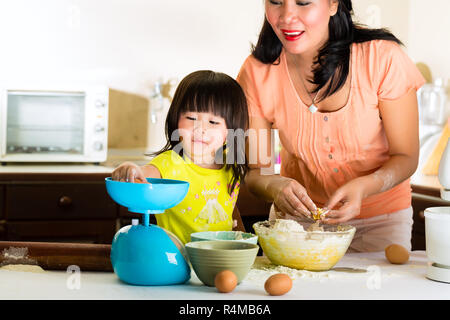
x=53 y=124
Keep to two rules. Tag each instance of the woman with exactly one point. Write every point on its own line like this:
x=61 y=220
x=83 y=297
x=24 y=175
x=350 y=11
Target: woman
x=343 y=98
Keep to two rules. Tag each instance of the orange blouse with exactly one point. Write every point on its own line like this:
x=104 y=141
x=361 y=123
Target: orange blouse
x=323 y=151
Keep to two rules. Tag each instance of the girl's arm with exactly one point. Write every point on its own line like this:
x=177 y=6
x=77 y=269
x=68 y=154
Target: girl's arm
x=237 y=217
x=288 y=195
x=130 y=172
x=150 y=171
x=400 y=121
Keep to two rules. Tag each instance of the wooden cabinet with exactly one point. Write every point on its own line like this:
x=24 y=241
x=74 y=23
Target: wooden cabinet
x=77 y=231
x=75 y=207
x=58 y=201
x=57 y=207
x=2 y=212
x=2 y=202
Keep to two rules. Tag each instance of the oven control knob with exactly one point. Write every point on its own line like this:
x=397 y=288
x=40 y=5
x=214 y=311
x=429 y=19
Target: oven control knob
x=98 y=146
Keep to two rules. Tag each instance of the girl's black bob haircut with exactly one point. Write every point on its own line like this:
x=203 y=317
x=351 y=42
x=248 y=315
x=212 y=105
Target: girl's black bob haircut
x=217 y=93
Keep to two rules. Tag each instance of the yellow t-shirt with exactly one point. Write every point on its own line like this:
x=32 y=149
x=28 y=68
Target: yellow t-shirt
x=207 y=206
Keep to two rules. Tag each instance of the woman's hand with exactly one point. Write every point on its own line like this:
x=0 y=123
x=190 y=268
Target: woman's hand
x=350 y=196
x=291 y=198
x=129 y=172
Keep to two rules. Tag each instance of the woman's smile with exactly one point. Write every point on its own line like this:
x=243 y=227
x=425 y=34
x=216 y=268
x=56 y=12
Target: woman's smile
x=296 y=20
x=292 y=35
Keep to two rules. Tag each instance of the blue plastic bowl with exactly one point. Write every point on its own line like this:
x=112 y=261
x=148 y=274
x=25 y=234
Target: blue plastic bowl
x=153 y=197
x=147 y=256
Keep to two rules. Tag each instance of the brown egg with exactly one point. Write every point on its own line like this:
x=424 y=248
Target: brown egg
x=396 y=254
x=278 y=284
x=225 y=281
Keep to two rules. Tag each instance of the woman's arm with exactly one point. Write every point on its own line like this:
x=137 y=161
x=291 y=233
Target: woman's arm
x=287 y=194
x=400 y=121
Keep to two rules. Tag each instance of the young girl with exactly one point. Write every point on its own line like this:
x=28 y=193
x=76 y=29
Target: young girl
x=205 y=146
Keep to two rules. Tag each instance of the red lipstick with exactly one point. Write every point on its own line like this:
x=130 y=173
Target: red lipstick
x=292 y=35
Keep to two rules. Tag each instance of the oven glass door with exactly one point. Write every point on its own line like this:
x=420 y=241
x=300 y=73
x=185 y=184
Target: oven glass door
x=45 y=122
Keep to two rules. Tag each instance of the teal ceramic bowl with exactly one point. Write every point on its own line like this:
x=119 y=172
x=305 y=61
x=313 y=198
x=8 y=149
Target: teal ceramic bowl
x=225 y=235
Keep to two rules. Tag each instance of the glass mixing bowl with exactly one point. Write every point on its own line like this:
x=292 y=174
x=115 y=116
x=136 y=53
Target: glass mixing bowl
x=307 y=250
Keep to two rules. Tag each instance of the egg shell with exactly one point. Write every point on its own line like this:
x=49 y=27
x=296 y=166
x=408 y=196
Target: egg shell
x=396 y=254
x=278 y=284
x=225 y=281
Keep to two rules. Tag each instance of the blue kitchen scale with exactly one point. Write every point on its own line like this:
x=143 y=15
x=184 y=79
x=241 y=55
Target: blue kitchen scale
x=146 y=254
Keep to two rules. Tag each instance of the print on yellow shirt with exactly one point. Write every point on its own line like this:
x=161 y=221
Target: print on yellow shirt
x=207 y=205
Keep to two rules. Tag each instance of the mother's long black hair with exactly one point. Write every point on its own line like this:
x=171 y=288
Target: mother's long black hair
x=333 y=61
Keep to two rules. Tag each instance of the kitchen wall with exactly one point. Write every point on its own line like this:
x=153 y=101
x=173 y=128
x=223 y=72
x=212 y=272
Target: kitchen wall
x=128 y=44
x=421 y=25
x=385 y=13
x=428 y=35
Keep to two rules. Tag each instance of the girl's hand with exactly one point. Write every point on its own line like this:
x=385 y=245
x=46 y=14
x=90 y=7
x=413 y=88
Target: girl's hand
x=350 y=196
x=291 y=198
x=128 y=172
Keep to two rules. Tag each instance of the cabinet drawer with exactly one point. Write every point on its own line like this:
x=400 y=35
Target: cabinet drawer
x=59 y=201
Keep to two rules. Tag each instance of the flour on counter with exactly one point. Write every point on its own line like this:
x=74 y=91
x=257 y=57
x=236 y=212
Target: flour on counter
x=263 y=269
x=23 y=268
x=16 y=255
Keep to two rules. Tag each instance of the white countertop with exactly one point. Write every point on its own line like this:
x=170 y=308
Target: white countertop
x=115 y=158
x=382 y=281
